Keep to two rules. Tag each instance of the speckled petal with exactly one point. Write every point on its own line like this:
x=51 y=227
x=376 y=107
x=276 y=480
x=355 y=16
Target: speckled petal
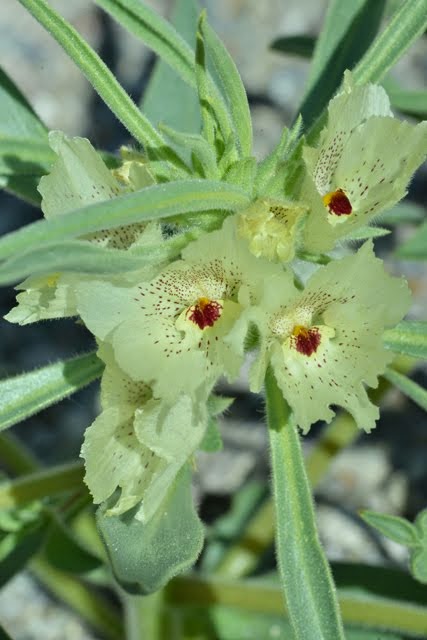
x=373 y=171
x=44 y=298
x=79 y=177
x=326 y=343
x=169 y=341
x=138 y=444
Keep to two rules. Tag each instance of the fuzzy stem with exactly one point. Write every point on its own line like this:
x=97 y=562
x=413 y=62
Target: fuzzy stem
x=304 y=570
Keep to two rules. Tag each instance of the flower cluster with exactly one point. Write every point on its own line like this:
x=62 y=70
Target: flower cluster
x=169 y=331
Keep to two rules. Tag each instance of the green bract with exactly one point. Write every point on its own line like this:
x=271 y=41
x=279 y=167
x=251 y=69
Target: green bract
x=271 y=228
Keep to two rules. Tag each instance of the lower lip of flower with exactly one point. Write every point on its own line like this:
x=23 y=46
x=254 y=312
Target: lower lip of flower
x=338 y=203
x=204 y=313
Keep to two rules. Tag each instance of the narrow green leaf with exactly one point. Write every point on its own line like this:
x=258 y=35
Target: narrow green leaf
x=349 y=28
x=95 y=609
x=418 y=563
x=24 y=150
x=382 y=582
x=408 y=338
x=404 y=212
x=152 y=203
x=410 y=388
x=156 y=32
x=38 y=485
x=201 y=152
x=229 y=527
x=101 y=78
x=418 y=559
x=300 y=45
x=393 y=527
x=230 y=623
x=64 y=551
x=3 y=634
x=206 y=101
x=242 y=172
x=232 y=88
x=25 y=548
x=169 y=98
x=161 y=36
x=80 y=257
x=24 y=156
x=360 y=610
x=29 y=393
x=17 y=117
x=145 y=557
x=416 y=247
x=407 y=24
x=413 y=103
x=305 y=574
x=212 y=440
x=24 y=187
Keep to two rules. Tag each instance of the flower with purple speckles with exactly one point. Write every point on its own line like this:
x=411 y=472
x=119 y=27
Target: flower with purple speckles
x=325 y=342
x=180 y=331
x=79 y=177
x=138 y=444
x=361 y=165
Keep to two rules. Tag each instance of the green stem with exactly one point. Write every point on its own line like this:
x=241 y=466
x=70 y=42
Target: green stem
x=304 y=571
x=91 y=607
x=15 y=457
x=397 y=616
x=37 y=485
x=243 y=556
x=144 y=617
x=102 y=80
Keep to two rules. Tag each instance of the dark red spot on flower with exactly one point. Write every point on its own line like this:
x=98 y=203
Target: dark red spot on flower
x=205 y=312
x=338 y=203
x=304 y=340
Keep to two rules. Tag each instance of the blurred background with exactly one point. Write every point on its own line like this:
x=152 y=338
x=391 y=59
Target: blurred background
x=385 y=471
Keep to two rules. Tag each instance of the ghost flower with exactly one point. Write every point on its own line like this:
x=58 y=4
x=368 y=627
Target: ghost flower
x=78 y=178
x=174 y=331
x=360 y=166
x=138 y=443
x=325 y=342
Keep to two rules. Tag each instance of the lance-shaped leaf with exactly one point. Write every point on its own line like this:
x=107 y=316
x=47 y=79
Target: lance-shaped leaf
x=416 y=247
x=231 y=85
x=393 y=527
x=29 y=393
x=406 y=25
x=161 y=36
x=167 y=92
x=152 y=203
x=410 y=388
x=350 y=26
x=408 y=338
x=101 y=78
x=24 y=151
x=82 y=257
